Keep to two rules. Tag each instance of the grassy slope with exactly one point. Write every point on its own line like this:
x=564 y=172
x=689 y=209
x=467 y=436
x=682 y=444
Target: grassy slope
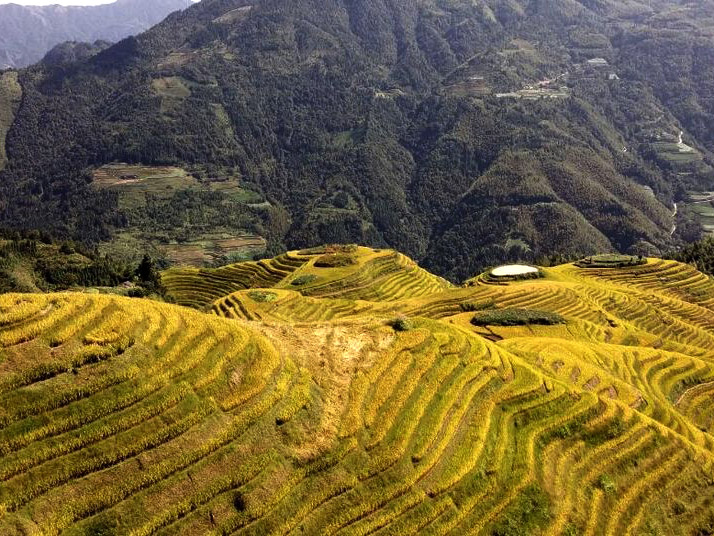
x=10 y=95
x=129 y=416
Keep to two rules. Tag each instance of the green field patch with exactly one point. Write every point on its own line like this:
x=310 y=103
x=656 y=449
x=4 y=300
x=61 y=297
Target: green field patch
x=181 y=216
x=330 y=248
x=172 y=87
x=261 y=296
x=610 y=261
x=703 y=210
x=699 y=206
x=347 y=137
x=235 y=192
x=675 y=154
x=516 y=317
x=209 y=249
x=304 y=280
x=335 y=260
x=134 y=182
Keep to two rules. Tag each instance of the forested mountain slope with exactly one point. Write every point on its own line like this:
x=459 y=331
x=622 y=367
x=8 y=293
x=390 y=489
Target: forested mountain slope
x=27 y=33
x=356 y=393
x=463 y=133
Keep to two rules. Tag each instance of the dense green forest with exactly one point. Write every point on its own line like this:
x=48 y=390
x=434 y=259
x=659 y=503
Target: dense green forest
x=385 y=122
x=699 y=254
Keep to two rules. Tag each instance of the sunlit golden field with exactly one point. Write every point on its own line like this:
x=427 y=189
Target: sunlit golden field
x=359 y=398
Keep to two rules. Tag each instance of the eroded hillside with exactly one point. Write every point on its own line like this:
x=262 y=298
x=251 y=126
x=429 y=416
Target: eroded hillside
x=346 y=390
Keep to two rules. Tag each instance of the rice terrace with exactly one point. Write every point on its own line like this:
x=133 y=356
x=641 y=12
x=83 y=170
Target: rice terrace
x=345 y=390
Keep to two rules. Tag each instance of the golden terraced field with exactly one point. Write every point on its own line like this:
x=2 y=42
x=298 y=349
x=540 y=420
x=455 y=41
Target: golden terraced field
x=287 y=400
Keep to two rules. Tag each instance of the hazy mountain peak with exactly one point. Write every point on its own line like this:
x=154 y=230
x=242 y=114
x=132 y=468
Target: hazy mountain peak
x=27 y=33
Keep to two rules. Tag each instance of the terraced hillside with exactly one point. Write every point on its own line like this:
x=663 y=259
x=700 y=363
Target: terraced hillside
x=196 y=287
x=364 y=273
x=319 y=394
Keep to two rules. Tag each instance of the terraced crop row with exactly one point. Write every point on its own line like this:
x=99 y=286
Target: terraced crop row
x=667 y=277
x=390 y=276
x=121 y=416
x=199 y=288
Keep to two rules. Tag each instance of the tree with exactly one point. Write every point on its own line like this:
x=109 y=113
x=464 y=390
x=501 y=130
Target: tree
x=147 y=273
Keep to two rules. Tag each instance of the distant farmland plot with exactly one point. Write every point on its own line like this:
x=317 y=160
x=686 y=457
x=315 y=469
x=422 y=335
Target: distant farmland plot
x=700 y=206
x=705 y=214
x=172 y=87
x=674 y=154
x=134 y=182
x=209 y=250
x=157 y=199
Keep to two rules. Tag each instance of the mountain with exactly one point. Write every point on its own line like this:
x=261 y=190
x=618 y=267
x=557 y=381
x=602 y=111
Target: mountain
x=463 y=133
x=27 y=33
x=354 y=392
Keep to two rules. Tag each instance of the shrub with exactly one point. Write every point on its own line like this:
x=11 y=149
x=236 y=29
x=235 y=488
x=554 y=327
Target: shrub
x=341 y=200
x=335 y=260
x=679 y=508
x=239 y=502
x=611 y=261
x=607 y=484
x=137 y=292
x=472 y=307
x=330 y=248
x=517 y=317
x=564 y=432
x=304 y=280
x=402 y=323
x=261 y=296
x=630 y=340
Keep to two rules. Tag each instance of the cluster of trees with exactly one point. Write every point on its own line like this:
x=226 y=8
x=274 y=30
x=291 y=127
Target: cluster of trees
x=32 y=261
x=187 y=214
x=699 y=254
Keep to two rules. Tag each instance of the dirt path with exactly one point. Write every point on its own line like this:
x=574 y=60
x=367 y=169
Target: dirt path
x=683 y=147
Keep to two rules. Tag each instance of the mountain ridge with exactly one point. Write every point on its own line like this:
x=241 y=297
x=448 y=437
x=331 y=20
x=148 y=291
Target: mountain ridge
x=418 y=132
x=29 y=32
